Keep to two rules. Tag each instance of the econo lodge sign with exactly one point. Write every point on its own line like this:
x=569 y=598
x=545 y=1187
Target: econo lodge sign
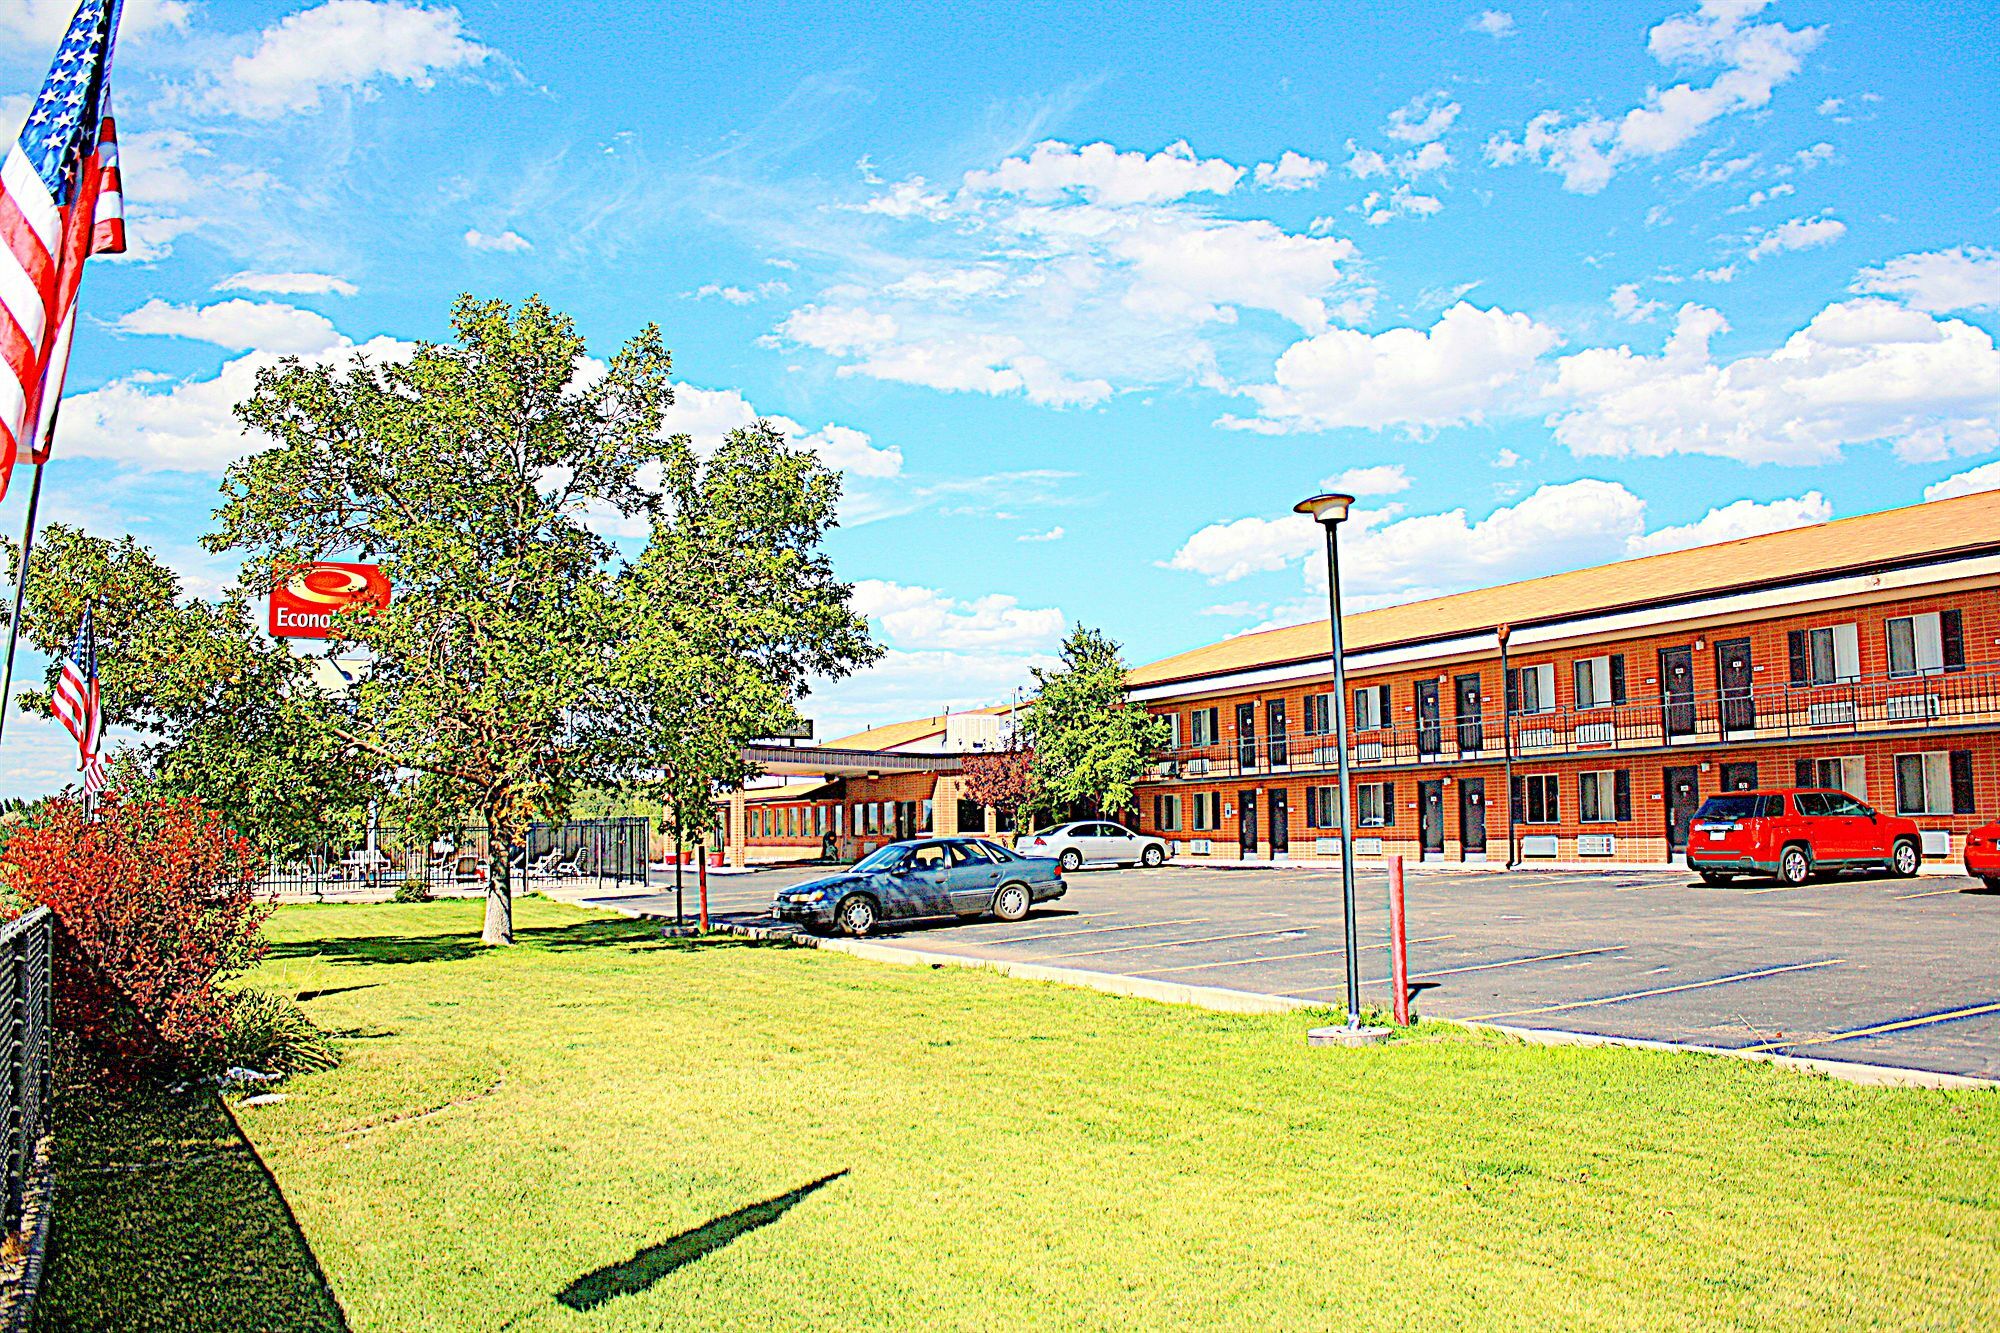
x=304 y=602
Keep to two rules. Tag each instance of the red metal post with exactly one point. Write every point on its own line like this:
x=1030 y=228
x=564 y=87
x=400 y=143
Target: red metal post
x=704 y=895
x=1399 y=961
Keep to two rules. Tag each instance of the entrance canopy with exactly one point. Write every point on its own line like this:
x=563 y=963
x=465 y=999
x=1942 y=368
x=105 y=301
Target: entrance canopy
x=830 y=763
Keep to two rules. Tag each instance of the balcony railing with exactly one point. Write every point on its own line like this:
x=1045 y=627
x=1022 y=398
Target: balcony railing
x=1759 y=713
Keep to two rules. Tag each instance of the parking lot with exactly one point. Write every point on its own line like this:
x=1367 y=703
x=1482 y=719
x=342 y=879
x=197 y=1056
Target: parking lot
x=1885 y=971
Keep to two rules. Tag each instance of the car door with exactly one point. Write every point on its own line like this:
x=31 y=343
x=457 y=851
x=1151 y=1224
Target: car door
x=975 y=874
x=1859 y=830
x=1120 y=843
x=924 y=882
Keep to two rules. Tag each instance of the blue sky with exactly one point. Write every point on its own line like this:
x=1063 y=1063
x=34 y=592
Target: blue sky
x=1084 y=298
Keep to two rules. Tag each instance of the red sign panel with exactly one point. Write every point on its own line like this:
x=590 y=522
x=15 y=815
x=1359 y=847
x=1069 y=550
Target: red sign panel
x=304 y=603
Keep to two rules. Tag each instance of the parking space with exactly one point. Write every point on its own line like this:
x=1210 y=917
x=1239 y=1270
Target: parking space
x=1886 y=971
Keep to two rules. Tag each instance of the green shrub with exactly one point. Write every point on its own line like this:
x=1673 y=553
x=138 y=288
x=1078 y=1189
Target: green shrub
x=271 y=1033
x=412 y=890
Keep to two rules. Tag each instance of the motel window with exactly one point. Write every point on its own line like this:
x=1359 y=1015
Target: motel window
x=1207 y=811
x=1167 y=813
x=1536 y=800
x=1938 y=783
x=1371 y=708
x=924 y=816
x=1531 y=689
x=1600 y=681
x=1824 y=656
x=1926 y=644
x=1843 y=773
x=1604 y=796
x=1173 y=729
x=1318 y=710
x=1374 y=805
x=1203 y=726
x=971 y=817
x=1323 y=807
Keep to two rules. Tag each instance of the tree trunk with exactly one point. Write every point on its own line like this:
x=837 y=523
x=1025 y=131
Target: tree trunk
x=499 y=890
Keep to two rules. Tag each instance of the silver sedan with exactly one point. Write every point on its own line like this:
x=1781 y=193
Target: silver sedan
x=1093 y=840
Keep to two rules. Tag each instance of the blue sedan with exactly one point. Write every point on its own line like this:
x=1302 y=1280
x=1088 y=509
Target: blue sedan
x=924 y=877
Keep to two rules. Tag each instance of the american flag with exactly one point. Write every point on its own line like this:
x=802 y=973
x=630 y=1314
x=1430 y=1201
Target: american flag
x=76 y=703
x=61 y=201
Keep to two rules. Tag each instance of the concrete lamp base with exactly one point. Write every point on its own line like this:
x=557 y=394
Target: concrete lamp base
x=1345 y=1036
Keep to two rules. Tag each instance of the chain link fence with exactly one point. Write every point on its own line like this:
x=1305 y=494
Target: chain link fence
x=604 y=851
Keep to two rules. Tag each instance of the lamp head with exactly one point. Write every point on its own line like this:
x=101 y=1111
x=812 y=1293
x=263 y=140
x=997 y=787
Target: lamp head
x=1327 y=509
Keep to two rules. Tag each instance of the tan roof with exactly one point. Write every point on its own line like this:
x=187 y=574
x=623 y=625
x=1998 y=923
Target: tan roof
x=1893 y=536
x=791 y=791
x=893 y=734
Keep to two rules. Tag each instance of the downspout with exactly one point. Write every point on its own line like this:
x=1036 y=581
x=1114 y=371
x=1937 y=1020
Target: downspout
x=1507 y=744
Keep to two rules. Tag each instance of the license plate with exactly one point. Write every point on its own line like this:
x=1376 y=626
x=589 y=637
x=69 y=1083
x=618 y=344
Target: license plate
x=1715 y=835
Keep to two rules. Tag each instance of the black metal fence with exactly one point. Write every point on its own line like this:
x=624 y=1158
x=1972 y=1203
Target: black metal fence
x=603 y=850
x=27 y=946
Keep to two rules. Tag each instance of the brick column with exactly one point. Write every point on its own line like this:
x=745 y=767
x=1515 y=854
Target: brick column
x=738 y=827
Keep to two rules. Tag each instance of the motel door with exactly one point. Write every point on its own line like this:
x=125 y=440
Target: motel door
x=1677 y=691
x=1732 y=683
x=1471 y=738
x=1246 y=737
x=1281 y=822
x=1430 y=817
x=1472 y=817
x=1683 y=794
x=1427 y=718
x=1246 y=823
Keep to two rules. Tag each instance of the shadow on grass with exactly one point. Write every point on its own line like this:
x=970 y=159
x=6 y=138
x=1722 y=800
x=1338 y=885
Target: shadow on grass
x=449 y=948
x=649 y=1265
x=167 y=1219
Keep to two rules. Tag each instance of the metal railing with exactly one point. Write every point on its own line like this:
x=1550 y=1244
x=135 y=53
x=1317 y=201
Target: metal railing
x=27 y=946
x=1884 y=704
x=613 y=850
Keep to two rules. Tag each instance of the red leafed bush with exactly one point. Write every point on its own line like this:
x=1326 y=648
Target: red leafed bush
x=155 y=904
x=1004 y=779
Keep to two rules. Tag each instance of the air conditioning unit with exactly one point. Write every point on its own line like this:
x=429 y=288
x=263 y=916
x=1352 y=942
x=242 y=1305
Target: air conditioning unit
x=1937 y=842
x=1595 y=733
x=1326 y=756
x=1368 y=752
x=1327 y=847
x=1367 y=846
x=1197 y=766
x=1596 y=844
x=1539 y=845
x=1832 y=713
x=1913 y=707
x=1168 y=768
x=1538 y=738
x=1201 y=846
x=1173 y=847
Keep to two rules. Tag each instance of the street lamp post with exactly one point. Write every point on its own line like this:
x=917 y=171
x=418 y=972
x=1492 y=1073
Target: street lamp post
x=1329 y=511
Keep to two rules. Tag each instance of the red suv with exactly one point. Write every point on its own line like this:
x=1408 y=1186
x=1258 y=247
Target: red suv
x=1791 y=834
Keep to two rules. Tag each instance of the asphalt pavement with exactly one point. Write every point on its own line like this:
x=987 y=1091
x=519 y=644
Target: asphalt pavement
x=1870 y=970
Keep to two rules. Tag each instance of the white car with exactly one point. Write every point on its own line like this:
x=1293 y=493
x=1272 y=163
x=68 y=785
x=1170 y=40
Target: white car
x=1093 y=840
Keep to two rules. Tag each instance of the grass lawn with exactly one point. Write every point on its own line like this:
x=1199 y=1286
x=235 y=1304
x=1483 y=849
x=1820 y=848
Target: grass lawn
x=600 y=1129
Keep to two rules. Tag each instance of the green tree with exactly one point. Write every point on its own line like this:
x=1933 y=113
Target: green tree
x=481 y=474
x=1089 y=744
x=222 y=712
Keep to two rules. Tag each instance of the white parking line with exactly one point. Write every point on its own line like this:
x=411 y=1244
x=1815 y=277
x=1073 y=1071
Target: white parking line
x=1659 y=990
x=1482 y=967
x=1927 y=893
x=1091 y=930
x=1273 y=958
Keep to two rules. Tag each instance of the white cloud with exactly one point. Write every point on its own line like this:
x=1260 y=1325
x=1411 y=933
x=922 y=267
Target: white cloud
x=921 y=619
x=1425 y=118
x=1506 y=458
x=1753 y=59
x=1226 y=552
x=706 y=415
x=1625 y=304
x=353 y=45
x=1797 y=234
x=189 y=425
x=1493 y=22
x=288 y=284
x=507 y=242
x=1381 y=479
x=1417 y=378
x=1100 y=174
x=1732 y=522
x=1366 y=163
x=1292 y=171
x=1720 y=274
x=1054 y=534
x=1758 y=198
x=42 y=23
x=1964 y=278
x=1861 y=371
x=905 y=685
x=1377 y=208
x=239 y=325
x=1985 y=477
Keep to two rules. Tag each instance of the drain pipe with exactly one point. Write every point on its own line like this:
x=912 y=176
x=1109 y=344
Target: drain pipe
x=1507 y=744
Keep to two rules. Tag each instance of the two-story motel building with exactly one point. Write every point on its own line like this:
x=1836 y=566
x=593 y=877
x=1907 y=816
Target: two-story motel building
x=1583 y=717
x=1579 y=718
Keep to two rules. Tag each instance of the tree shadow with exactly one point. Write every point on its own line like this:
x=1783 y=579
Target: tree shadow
x=385 y=949
x=649 y=1265
x=168 y=1219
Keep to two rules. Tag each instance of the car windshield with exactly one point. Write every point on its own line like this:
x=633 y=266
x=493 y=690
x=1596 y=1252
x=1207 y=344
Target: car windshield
x=882 y=858
x=1733 y=806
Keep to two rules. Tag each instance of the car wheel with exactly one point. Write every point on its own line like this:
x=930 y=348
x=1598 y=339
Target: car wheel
x=1992 y=883
x=1903 y=861
x=1715 y=877
x=857 y=915
x=1152 y=856
x=1071 y=859
x=1794 y=866
x=1012 y=902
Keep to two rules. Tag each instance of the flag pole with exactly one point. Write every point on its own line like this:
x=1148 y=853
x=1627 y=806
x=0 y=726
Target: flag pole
x=20 y=593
